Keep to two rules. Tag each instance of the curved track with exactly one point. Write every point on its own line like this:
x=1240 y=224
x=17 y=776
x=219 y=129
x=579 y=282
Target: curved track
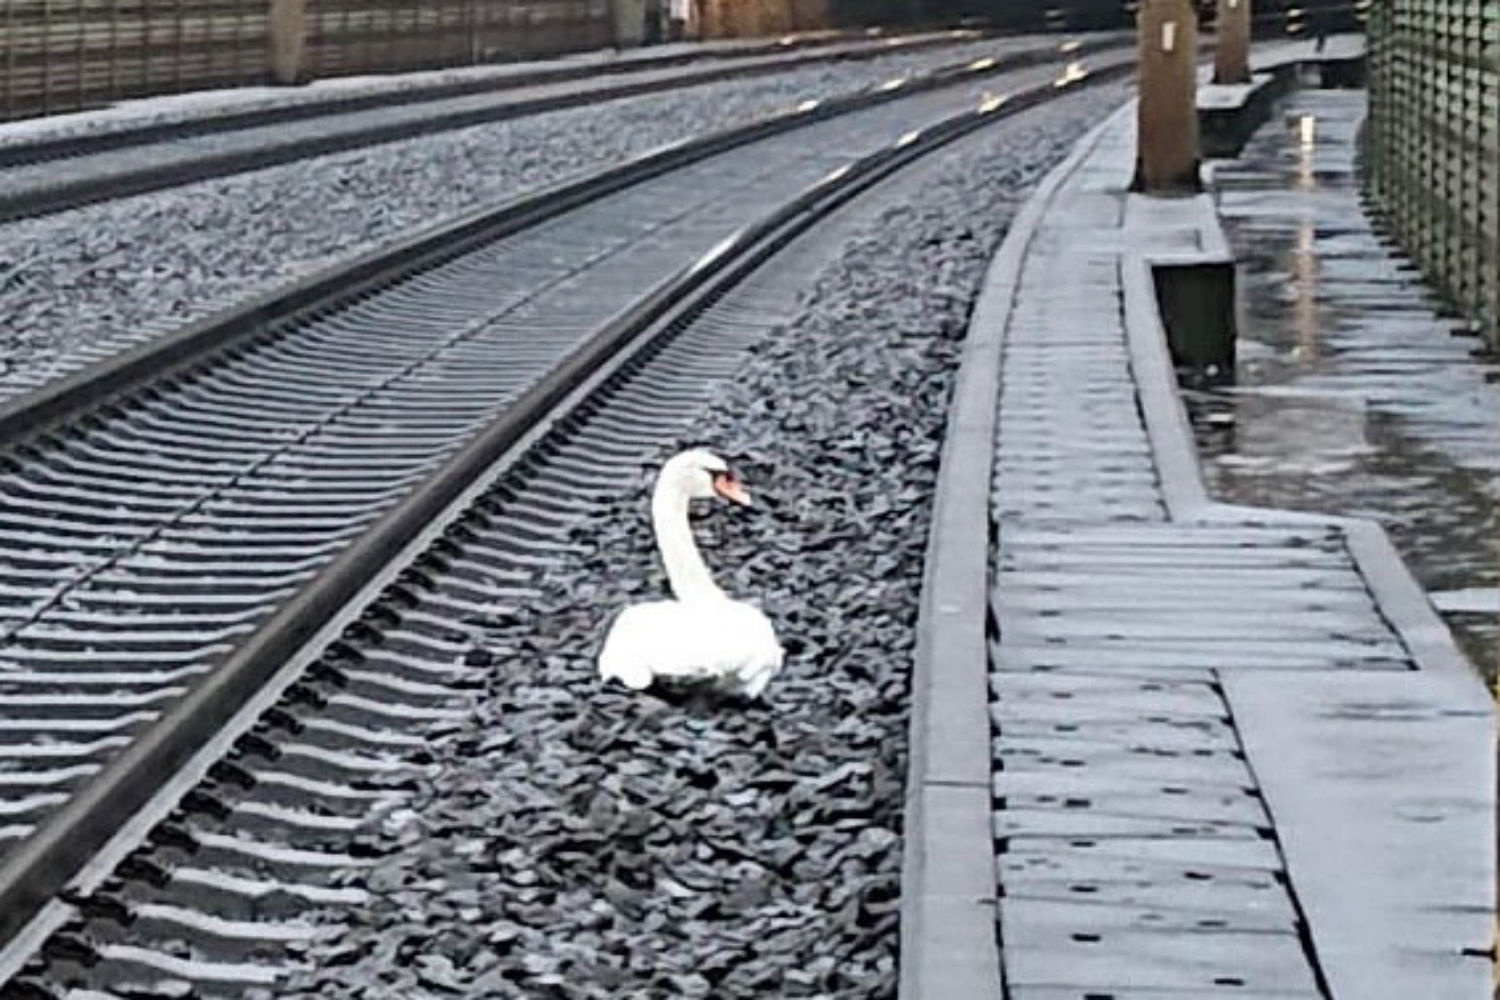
x=163 y=528
x=292 y=105
x=43 y=178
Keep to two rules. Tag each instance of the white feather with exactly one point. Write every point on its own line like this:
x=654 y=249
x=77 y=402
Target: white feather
x=730 y=643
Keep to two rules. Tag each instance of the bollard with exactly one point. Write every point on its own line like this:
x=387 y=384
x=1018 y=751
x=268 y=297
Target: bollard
x=286 y=38
x=1232 y=51
x=1166 y=159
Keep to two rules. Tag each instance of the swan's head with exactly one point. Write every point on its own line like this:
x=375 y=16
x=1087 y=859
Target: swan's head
x=699 y=474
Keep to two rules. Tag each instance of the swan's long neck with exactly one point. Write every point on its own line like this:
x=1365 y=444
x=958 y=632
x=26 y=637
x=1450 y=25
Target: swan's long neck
x=686 y=571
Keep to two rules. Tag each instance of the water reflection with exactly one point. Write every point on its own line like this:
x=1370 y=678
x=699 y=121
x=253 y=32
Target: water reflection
x=1351 y=396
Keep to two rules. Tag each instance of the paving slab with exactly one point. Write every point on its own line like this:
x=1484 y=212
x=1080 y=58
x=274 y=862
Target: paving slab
x=1376 y=788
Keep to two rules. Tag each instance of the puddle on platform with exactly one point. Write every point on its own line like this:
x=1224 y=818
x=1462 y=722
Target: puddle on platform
x=1352 y=396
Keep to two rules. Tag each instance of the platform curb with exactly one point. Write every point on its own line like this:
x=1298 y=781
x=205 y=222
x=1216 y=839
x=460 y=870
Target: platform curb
x=949 y=889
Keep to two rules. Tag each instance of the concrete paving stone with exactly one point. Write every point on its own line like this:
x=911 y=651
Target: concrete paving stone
x=1105 y=958
x=1029 y=424
x=1081 y=875
x=1160 y=655
x=1174 y=860
x=1086 y=551
x=1141 y=622
x=1169 y=592
x=1225 y=577
x=1390 y=894
x=1115 y=795
x=1083 y=628
x=1120 y=459
x=1114 y=915
x=1100 y=392
x=1033 y=464
x=1080 y=477
x=1071 y=355
x=1130 y=733
x=1091 y=302
x=1178 y=633
x=1087 y=352
x=1024 y=819
x=1124 y=693
x=1170 y=679
x=1177 y=535
x=1131 y=993
x=1143 y=508
x=1032 y=375
x=1200 y=589
x=1098 y=339
x=1028 y=443
x=1141 y=763
x=1015 y=599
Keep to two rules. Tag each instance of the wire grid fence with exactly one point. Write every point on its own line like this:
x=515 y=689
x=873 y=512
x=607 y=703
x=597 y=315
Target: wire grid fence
x=1431 y=149
x=62 y=55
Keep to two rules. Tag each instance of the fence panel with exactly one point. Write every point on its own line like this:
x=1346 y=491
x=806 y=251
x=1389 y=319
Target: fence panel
x=59 y=55
x=62 y=55
x=1431 y=147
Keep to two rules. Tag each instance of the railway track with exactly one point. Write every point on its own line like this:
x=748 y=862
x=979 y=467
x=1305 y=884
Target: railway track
x=336 y=454
x=782 y=53
x=47 y=177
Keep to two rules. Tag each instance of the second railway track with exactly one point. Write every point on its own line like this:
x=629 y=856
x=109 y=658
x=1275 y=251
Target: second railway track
x=46 y=178
x=148 y=540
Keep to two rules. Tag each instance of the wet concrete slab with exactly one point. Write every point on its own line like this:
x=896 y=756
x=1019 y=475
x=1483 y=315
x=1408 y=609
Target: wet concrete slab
x=1176 y=683
x=1352 y=395
x=1384 y=908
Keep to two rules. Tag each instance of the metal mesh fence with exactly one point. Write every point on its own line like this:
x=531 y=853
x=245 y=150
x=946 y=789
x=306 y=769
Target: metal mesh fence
x=1432 y=156
x=61 y=55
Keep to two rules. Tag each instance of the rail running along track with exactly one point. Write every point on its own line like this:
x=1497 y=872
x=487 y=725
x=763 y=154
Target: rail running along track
x=369 y=492
x=783 y=53
x=53 y=176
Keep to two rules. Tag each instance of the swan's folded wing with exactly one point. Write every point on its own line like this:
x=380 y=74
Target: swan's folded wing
x=627 y=652
x=718 y=640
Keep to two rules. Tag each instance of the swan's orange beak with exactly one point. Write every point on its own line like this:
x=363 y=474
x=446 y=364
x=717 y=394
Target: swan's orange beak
x=730 y=488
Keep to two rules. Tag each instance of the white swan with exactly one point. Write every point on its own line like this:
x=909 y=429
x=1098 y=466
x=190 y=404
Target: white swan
x=702 y=635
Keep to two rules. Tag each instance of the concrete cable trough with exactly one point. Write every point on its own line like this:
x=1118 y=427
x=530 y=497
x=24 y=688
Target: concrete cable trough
x=202 y=684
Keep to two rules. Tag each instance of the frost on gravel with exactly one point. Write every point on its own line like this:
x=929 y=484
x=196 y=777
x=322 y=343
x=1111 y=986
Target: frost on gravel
x=576 y=840
x=86 y=283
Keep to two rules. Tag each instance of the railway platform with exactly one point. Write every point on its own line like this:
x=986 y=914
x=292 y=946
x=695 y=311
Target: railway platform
x=1178 y=747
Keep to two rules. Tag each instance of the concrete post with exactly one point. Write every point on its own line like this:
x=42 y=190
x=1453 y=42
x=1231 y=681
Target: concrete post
x=630 y=22
x=286 y=37
x=1232 y=53
x=1167 y=115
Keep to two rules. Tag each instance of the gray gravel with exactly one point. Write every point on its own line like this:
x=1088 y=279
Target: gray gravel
x=575 y=840
x=84 y=284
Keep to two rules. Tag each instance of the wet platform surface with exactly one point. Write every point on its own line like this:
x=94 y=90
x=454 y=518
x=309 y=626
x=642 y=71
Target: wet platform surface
x=1353 y=395
x=1231 y=755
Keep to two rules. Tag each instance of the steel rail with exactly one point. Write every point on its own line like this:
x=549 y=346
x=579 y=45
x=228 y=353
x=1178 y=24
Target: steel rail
x=802 y=51
x=46 y=862
x=37 y=201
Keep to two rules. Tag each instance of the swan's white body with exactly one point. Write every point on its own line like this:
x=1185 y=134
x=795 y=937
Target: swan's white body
x=703 y=635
